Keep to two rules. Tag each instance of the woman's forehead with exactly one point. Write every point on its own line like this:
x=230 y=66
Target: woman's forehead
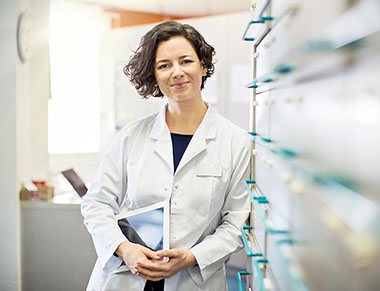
x=175 y=46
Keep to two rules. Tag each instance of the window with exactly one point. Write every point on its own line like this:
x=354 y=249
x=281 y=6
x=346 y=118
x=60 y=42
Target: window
x=74 y=119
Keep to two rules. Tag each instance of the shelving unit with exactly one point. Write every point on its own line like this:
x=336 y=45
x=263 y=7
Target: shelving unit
x=315 y=126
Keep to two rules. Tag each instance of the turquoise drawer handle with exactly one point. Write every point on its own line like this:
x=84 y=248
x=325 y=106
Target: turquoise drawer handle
x=259 y=198
x=261 y=16
x=268 y=227
x=247 y=29
x=259 y=274
x=245 y=241
x=298 y=283
x=266 y=139
x=239 y=274
x=252 y=84
x=261 y=19
x=283 y=69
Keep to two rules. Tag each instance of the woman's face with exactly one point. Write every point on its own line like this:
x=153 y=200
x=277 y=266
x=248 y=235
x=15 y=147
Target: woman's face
x=178 y=70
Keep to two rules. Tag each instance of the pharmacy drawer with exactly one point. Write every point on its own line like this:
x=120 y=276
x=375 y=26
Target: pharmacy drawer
x=263 y=169
x=281 y=196
x=345 y=140
x=268 y=222
x=287 y=117
x=262 y=106
x=278 y=188
x=294 y=23
x=260 y=233
x=337 y=226
x=264 y=58
x=263 y=278
x=250 y=242
x=286 y=266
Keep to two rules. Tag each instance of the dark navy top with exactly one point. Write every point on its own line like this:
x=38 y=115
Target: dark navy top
x=180 y=143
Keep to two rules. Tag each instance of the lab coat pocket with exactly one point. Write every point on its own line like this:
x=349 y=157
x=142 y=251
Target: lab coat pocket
x=208 y=176
x=209 y=170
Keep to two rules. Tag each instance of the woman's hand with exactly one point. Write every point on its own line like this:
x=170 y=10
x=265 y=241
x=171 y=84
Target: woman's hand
x=133 y=254
x=178 y=260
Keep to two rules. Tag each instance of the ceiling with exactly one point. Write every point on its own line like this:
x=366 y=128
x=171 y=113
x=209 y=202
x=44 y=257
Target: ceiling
x=178 y=7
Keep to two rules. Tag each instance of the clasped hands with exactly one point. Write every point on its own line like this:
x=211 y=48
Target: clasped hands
x=137 y=258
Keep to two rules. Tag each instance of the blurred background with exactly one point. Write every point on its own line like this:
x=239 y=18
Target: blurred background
x=312 y=108
x=64 y=97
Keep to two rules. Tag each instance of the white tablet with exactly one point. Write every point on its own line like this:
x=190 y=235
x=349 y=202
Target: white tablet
x=148 y=226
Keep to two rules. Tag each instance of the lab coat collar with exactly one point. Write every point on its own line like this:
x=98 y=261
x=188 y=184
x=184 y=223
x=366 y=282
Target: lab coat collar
x=206 y=130
x=161 y=134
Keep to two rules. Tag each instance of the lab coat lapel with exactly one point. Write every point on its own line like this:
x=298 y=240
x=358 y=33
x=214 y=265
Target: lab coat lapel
x=161 y=137
x=198 y=143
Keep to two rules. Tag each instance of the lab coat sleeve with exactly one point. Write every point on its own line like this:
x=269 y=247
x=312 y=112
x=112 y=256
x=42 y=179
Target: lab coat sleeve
x=103 y=201
x=216 y=248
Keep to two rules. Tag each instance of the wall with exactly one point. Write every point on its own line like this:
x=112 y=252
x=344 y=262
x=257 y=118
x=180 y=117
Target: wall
x=9 y=214
x=23 y=121
x=123 y=18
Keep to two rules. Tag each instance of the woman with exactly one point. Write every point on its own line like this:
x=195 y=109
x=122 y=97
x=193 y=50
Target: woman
x=187 y=153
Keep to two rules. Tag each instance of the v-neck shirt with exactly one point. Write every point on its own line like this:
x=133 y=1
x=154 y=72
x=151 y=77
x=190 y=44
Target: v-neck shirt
x=180 y=143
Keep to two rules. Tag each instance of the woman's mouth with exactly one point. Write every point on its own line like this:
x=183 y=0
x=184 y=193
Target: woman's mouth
x=181 y=85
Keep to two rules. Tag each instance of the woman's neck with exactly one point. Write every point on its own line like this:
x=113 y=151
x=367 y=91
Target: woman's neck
x=185 y=117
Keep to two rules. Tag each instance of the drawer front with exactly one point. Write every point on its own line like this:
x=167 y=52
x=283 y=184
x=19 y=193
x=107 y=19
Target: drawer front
x=263 y=278
x=337 y=225
x=264 y=173
x=263 y=117
x=286 y=267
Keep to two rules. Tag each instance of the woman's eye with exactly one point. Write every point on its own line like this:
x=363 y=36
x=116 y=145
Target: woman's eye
x=187 y=61
x=163 y=66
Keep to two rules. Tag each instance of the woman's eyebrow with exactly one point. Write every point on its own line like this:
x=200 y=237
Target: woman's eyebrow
x=162 y=61
x=166 y=60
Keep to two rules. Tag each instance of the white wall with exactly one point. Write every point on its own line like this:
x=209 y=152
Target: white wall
x=9 y=213
x=24 y=91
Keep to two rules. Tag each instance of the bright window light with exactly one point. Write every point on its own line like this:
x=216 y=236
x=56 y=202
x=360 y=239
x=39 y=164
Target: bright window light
x=74 y=120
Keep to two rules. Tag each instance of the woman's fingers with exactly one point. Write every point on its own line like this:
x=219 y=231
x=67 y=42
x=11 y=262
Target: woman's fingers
x=148 y=277
x=168 y=253
x=151 y=254
x=152 y=266
x=153 y=272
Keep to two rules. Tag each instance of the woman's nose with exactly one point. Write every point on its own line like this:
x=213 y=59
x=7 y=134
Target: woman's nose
x=177 y=71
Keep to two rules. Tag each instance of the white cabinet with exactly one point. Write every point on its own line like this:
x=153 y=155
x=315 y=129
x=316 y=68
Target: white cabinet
x=57 y=251
x=316 y=125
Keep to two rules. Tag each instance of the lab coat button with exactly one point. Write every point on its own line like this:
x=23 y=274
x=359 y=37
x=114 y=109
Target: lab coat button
x=166 y=189
x=176 y=187
x=174 y=237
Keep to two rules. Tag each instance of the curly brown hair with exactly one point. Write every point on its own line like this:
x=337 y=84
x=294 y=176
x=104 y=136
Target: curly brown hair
x=140 y=68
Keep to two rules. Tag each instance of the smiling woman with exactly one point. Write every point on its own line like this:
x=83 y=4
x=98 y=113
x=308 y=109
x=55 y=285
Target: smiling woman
x=178 y=70
x=142 y=67
x=191 y=156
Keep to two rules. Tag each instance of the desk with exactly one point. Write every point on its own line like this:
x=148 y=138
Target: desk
x=57 y=252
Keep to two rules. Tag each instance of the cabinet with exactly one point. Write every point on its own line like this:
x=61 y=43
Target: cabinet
x=315 y=126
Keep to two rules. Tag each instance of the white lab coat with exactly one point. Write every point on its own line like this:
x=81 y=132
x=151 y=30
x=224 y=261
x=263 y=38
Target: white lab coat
x=208 y=202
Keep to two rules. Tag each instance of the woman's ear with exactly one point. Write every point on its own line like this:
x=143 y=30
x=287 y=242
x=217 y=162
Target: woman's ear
x=204 y=71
